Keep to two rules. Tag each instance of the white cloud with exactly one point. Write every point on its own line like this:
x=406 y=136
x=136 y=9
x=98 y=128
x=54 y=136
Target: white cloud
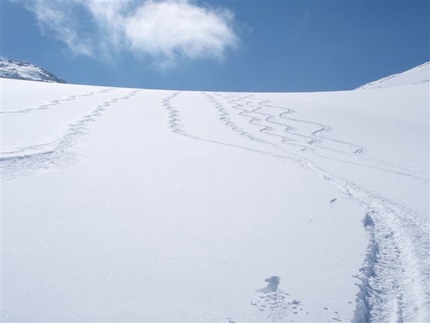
x=171 y=28
x=57 y=18
x=165 y=30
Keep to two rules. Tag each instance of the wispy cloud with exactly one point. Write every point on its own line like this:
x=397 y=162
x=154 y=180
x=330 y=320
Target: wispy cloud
x=164 y=31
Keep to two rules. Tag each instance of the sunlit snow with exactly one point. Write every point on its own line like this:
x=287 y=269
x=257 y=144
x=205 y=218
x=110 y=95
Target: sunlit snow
x=141 y=205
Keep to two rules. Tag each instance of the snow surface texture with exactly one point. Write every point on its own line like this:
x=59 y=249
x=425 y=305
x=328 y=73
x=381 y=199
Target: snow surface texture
x=142 y=205
x=417 y=75
x=25 y=71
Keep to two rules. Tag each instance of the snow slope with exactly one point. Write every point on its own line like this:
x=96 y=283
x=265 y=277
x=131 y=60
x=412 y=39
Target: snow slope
x=25 y=71
x=146 y=206
x=416 y=75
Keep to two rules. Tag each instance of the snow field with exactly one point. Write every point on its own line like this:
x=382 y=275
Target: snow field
x=162 y=205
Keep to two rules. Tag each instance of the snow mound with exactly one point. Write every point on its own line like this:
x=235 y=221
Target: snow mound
x=26 y=71
x=416 y=75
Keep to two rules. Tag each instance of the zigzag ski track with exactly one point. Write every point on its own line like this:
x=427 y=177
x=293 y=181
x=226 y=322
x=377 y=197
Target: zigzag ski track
x=394 y=282
x=189 y=151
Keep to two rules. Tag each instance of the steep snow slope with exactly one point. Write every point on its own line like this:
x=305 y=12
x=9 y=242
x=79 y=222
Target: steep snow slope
x=144 y=205
x=25 y=71
x=416 y=75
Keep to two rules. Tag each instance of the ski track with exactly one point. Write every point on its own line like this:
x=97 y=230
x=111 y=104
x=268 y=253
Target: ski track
x=294 y=129
x=57 y=153
x=394 y=281
x=57 y=102
x=316 y=142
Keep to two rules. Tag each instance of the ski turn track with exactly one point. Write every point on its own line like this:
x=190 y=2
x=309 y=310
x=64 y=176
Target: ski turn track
x=308 y=135
x=57 y=153
x=57 y=102
x=394 y=281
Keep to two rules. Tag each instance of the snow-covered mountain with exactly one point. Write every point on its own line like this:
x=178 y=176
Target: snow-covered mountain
x=26 y=71
x=416 y=75
x=133 y=205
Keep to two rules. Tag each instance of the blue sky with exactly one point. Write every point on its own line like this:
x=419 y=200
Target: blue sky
x=239 y=45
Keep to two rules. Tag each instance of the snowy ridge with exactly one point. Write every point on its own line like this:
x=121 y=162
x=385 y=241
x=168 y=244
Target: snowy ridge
x=148 y=189
x=416 y=75
x=26 y=71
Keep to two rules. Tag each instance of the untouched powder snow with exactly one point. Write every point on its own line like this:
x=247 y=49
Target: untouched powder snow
x=416 y=75
x=134 y=205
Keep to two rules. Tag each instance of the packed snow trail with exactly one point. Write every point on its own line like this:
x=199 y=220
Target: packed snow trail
x=395 y=278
